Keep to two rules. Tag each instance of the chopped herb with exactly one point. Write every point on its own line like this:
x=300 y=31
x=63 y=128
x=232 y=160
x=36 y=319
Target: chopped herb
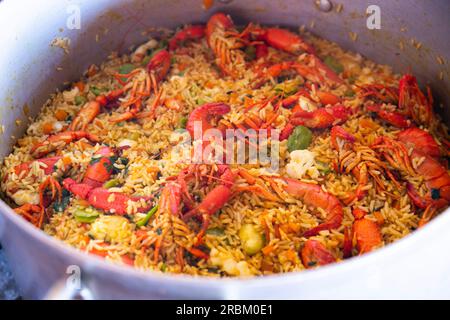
x=299 y=139
x=435 y=194
x=94 y=160
x=215 y=232
x=126 y=68
x=351 y=79
x=163 y=44
x=349 y=93
x=213 y=269
x=86 y=215
x=200 y=101
x=95 y=90
x=145 y=61
x=250 y=53
x=323 y=167
x=60 y=206
x=334 y=65
x=312 y=263
x=79 y=100
x=111 y=183
x=163 y=267
x=287 y=88
x=123 y=160
x=183 y=122
x=147 y=217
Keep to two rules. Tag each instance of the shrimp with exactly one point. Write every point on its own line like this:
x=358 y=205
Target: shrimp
x=315 y=254
x=314 y=195
x=54 y=142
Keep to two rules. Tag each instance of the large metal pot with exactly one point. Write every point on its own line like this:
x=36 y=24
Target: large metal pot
x=414 y=267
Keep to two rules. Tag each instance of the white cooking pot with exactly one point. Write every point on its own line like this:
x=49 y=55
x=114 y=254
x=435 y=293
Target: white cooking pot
x=414 y=267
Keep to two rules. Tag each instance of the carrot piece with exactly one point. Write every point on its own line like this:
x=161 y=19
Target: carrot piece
x=182 y=66
x=198 y=253
x=67 y=161
x=358 y=213
x=327 y=98
x=268 y=249
x=47 y=127
x=80 y=85
x=127 y=260
x=291 y=255
x=172 y=104
x=60 y=115
x=83 y=203
x=247 y=102
x=297 y=108
x=247 y=176
x=368 y=235
x=101 y=253
x=379 y=217
x=92 y=70
x=266 y=266
x=369 y=124
x=207 y=4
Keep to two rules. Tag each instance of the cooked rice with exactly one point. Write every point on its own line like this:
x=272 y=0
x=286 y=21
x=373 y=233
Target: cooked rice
x=195 y=79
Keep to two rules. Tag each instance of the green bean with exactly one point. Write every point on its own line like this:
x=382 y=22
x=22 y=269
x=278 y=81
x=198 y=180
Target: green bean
x=335 y=65
x=147 y=217
x=215 y=231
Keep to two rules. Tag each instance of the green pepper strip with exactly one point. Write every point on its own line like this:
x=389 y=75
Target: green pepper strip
x=145 y=220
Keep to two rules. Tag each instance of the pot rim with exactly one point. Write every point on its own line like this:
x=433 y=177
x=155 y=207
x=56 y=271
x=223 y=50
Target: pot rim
x=335 y=269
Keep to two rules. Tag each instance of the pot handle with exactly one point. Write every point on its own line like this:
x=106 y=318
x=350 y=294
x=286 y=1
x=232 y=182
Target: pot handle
x=62 y=291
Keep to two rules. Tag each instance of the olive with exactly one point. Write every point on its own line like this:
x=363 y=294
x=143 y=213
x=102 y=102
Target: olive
x=252 y=240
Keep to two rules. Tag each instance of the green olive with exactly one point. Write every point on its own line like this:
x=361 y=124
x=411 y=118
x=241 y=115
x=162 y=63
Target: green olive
x=252 y=240
x=86 y=215
x=299 y=139
x=126 y=68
